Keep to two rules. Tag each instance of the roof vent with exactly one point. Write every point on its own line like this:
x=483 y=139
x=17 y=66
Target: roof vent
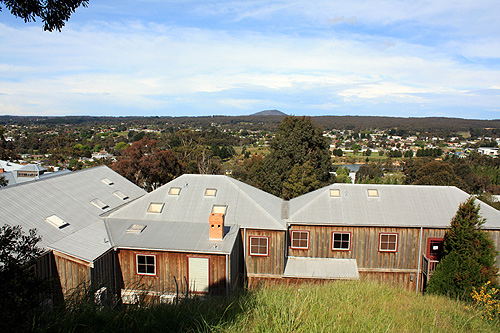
x=174 y=191
x=155 y=207
x=210 y=192
x=334 y=193
x=120 y=195
x=373 y=193
x=135 y=228
x=99 y=204
x=56 y=221
x=107 y=181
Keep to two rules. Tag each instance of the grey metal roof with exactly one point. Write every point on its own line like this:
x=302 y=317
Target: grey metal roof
x=396 y=205
x=68 y=197
x=246 y=205
x=174 y=236
x=321 y=268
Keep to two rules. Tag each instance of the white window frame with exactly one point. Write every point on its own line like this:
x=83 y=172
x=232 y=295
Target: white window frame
x=341 y=241
x=145 y=264
x=388 y=234
x=259 y=246
x=292 y=239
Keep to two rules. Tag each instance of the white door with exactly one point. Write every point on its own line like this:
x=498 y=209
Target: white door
x=198 y=274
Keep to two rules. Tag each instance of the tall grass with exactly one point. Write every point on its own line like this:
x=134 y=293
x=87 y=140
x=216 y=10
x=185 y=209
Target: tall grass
x=331 y=307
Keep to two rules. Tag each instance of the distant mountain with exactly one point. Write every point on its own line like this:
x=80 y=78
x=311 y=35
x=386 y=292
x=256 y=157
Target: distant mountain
x=269 y=113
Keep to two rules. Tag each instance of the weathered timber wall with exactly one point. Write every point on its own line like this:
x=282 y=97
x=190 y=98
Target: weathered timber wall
x=171 y=271
x=364 y=246
x=74 y=274
x=274 y=263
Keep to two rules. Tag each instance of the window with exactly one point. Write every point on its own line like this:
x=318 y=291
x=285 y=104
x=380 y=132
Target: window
x=174 y=191
x=300 y=239
x=210 y=192
x=373 y=193
x=107 y=181
x=155 y=207
x=334 y=193
x=56 y=221
x=259 y=246
x=146 y=264
x=388 y=242
x=99 y=204
x=341 y=241
x=120 y=195
x=135 y=229
x=219 y=209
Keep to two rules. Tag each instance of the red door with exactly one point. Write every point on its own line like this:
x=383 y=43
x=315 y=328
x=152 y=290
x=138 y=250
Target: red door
x=434 y=248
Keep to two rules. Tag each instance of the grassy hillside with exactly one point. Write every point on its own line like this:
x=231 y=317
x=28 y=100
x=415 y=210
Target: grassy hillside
x=332 y=307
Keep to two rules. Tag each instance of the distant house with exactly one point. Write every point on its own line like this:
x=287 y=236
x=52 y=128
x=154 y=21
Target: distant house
x=490 y=151
x=16 y=173
x=213 y=234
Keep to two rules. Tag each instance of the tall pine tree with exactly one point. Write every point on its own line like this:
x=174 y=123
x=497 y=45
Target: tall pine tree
x=299 y=147
x=469 y=255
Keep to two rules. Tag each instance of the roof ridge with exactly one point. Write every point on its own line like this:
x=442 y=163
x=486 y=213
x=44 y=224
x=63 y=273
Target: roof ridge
x=232 y=181
x=309 y=202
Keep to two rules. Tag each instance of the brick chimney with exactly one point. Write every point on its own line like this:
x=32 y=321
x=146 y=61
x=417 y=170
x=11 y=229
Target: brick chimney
x=2 y=170
x=216 y=226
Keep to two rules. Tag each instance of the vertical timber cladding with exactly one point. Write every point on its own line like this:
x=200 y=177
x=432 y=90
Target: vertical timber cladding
x=363 y=247
x=171 y=271
x=74 y=274
x=274 y=263
x=495 y=236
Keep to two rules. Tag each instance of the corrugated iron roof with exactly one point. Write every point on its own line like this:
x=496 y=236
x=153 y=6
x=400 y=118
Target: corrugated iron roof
x=321 y=268
x=67 y=196
x=246 y=205
x=396 y=205
x=173 y=236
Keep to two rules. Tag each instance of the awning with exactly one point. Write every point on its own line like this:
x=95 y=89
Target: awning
x=321 y=268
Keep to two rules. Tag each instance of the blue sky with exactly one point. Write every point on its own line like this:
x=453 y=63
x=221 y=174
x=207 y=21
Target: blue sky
x=190 y=58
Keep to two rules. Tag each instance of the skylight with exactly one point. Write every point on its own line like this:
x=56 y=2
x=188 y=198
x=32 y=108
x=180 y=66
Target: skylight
x=135 y=228
x=99 y=204
x=107 y=181
x=56 y=221
x=155 y=207
x=219 y=209
x=120 y=195
x=210 y=192
x=372 y=193
x=174 y=191
x=334 y=193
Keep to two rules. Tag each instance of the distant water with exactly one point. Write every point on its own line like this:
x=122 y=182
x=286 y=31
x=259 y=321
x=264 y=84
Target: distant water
x=352 y=167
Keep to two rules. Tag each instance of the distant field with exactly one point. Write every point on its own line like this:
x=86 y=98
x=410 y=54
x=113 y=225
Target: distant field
x=332 y=307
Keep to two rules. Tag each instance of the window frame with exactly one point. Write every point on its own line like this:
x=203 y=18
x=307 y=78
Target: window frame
x=299 y=247
x=380 y=242
x=250 y=246
x=341 y=233
x=151 y=205
x=137 y=263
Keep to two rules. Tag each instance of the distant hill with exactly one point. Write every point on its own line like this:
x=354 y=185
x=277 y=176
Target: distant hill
x=269 y=113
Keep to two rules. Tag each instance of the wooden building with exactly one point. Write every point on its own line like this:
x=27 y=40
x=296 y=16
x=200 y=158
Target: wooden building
x=212 y=234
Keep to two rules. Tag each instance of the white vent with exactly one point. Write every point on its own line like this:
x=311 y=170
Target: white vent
x=107 y=181
x=130 y=297
x=99 y=204
x=155 y=207
x=210 y=192
x=120 y=195
x=334 y=193
x=135 y=229
x=56 y=221
x=373 y=193
x=219 y=209
x=174 y=191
